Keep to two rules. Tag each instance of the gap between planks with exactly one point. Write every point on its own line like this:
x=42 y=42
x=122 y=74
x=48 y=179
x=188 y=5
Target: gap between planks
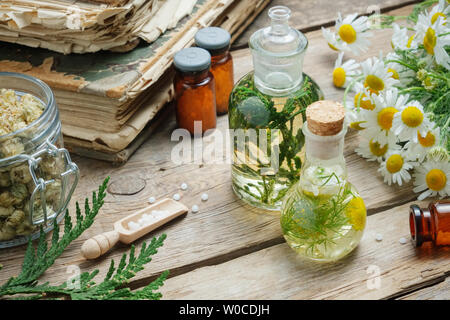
x=278 y=273
x=242 y=40
x=208 y=243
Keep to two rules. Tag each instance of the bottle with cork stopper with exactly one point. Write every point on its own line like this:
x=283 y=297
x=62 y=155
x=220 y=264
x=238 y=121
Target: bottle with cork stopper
x=323 y=216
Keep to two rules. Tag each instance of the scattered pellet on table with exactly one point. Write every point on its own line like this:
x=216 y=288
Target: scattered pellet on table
x=176 y=197
x=205 y=197
x=195 y=208
x=151 y=200
x=184 y=186
x=379 y=237
x=403 y=240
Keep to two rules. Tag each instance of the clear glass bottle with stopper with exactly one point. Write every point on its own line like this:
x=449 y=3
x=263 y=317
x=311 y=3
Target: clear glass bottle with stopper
x=266 y=113
x=323 y=216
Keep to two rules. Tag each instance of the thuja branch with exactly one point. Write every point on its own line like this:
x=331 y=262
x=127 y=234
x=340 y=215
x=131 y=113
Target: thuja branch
x=113 y=286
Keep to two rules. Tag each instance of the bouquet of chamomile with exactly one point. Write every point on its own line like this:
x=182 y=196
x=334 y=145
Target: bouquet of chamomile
x=400 y=103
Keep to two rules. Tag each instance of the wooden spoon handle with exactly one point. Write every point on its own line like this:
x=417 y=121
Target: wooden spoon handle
x=99 y=245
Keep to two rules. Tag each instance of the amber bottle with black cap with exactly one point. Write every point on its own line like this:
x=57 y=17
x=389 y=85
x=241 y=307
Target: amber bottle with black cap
x=217 y=42
x=194 y=90
x=430 y=224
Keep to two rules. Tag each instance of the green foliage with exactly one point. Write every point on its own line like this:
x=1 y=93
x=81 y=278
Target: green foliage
x=317 y=220
x=250 y=108
x=113 y=286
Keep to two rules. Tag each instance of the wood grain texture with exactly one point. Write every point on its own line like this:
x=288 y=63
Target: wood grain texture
x=225 y=228
x=278 y=273
x=309 y=15
x=440 y=291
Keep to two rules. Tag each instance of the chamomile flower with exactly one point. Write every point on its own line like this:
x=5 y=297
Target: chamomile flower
x=434 y=37
x=419 y=150
x=377 y=78
x=399 y=72
x=402 y=40
x=440 y=10
x=395 y=168
x=343 y=72
x=409 y=120
x=432 y=178
x=379 y=121
x=374 y=151
x=332 y=40
x=353 y=33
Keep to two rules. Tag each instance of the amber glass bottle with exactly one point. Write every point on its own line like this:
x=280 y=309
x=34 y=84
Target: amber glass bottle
x=194 y=90
x=217 y=42
x=430 y=224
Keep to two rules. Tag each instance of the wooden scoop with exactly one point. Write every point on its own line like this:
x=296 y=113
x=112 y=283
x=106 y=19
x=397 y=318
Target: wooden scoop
x=100 y=244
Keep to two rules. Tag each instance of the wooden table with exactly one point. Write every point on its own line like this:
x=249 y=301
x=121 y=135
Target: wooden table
x=231 y=251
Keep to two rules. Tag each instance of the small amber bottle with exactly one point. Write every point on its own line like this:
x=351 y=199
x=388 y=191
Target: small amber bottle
x=194 y=89
x=430 y=224
x=217 y=42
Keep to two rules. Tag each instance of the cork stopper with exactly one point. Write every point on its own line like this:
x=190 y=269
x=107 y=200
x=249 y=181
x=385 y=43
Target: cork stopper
x=325 y=117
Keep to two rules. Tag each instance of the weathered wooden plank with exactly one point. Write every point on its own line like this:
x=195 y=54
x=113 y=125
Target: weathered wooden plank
x=224 y=228
x=308 y=15
x=440 y=291
x=278 y=273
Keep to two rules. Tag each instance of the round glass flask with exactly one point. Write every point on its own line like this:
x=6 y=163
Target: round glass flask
x=266 y=113
x=323 y=216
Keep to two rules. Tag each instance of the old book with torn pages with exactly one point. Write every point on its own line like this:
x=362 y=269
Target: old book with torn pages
x=68 y=26
x=110 y=101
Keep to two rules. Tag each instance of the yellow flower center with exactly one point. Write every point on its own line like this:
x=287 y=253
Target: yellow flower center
x=385 y=118
x=436 y=179
x=339 y=77
x=394 y=74
x=428 y=141
x=365 y=104
x=436 y=16
x=333 y=47
x=374 y=83
x=347 y=33
x=412 y=116
x=376 y=148
x=357 y=125
x=429 y=41
x=410 y=40
x=356 y=213
x=394 y=163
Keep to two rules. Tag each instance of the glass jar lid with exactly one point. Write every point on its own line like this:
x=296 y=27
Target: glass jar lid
x=278 y=52
x=213 y=38
x=192 y=60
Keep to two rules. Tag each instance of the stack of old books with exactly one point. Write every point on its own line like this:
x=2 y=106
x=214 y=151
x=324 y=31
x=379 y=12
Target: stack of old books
x=108 y=61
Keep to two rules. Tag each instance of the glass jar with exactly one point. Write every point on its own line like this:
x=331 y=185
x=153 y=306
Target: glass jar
x=266 y=113
x=37 y=176
x=217 y=42
x=194 y=91
x=323 y=216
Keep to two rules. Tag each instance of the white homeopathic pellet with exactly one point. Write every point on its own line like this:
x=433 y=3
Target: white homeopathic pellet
x=151 y=200
x=403 y=240
x=205 y=197
x=195 y=208
x=176 y=197
x=379 y=237
x=184 y=186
